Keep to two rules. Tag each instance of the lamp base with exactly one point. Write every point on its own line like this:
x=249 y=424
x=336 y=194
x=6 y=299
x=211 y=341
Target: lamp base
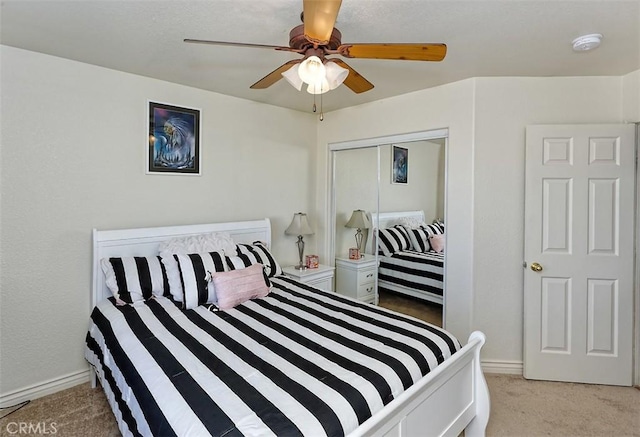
x=301 y=265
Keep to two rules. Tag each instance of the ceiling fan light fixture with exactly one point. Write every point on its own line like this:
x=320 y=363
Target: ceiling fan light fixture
x=292 y=76
x=319 y=87
x=335 y=75
x=312 y=70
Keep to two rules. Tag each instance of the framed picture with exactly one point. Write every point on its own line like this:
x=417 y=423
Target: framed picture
x=399 y=165
x=174 y=140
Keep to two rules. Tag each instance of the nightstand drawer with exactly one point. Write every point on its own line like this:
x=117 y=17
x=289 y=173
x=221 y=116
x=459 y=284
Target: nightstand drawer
x=366 y=291
x=367 y=276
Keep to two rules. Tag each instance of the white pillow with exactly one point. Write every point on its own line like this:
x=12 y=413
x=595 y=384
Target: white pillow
x=201 y=243
x=411 y=222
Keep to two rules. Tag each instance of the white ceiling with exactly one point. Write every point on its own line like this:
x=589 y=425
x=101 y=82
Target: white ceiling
x=484 y=38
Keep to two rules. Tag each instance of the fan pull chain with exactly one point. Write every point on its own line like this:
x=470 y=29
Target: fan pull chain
x=321 y=112
x=314 y=102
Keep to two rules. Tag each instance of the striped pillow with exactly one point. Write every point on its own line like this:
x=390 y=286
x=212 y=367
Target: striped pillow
x=420 y=237
x=392 y=240
x=434 y=229
x=440 y=226
x=420 y=240
x=257 y=253
x=195 y=271
x=134 y=279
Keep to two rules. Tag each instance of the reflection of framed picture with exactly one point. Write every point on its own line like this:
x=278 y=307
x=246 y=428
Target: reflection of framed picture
x=174 y=140
x=399 y=165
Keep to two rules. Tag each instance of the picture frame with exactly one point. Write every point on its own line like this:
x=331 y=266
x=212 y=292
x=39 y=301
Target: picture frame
x=399 y=165
x=173 y=145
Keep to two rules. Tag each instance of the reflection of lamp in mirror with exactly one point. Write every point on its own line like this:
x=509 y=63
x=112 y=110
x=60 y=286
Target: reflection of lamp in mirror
x=359 y=221
x=299 y=226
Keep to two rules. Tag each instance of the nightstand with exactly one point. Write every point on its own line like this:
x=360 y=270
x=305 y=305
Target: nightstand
x=357 y=278
x=322 y=277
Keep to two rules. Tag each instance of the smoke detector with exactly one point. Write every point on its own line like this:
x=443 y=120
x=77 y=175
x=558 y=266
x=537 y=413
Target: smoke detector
x=587 y=42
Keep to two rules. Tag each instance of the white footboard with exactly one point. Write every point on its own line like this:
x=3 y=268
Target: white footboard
x=452 y=398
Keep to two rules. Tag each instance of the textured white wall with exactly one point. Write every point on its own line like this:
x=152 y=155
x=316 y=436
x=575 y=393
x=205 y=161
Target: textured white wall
x=73 y=155
x=357 y=188
x=631 y=97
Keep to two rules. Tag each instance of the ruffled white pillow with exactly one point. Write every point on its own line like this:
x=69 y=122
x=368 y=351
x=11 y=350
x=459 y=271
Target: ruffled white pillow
x=410 y=222
x=212 y=242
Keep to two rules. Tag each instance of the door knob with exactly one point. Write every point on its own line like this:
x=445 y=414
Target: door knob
x=536 y=267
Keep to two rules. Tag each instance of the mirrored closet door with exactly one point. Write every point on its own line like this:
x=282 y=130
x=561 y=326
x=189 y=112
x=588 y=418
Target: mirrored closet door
x=400 y=188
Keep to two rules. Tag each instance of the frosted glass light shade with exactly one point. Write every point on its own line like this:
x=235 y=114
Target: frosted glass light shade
x=292 y=76
x=335 y=74
x=318 y=88
x=311 y=70
x=334 y=78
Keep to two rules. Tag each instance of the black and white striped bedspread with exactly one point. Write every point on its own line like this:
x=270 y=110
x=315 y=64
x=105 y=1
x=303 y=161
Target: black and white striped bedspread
x=415 y=270
x=297 y=362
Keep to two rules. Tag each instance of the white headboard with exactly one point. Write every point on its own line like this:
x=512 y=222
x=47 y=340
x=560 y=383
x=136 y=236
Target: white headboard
x=145 y=242
x=388 y=219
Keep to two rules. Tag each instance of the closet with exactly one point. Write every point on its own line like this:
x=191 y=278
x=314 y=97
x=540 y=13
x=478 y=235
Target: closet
x=365 y=176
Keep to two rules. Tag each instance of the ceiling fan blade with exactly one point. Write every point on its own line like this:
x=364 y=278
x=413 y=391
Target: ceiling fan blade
x=410 y=52
x=354 y=81
x=274 y=76
x=237 y=44
x=319 y=19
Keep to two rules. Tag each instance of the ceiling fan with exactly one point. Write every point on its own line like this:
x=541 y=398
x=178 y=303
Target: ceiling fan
x=316 y=39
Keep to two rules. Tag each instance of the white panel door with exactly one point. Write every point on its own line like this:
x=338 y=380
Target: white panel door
x=579 y=253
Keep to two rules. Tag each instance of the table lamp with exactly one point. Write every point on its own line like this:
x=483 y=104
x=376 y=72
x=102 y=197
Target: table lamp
x=359 y=221
x=299 y=226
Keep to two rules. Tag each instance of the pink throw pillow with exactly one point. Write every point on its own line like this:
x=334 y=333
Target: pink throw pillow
x=437 y=242
x=237 y=286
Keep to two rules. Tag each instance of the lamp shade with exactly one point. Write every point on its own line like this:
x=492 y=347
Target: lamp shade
x=299 y=225
x=358 y=220
x=320 y=87
x=334 y=77
x=311 y=70
x=292 y=76
x=335 y=74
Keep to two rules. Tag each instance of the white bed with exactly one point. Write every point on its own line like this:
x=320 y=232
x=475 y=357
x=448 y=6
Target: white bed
x=420 y=275
x=451 y=398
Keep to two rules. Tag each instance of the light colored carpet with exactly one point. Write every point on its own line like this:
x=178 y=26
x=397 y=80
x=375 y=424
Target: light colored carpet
x=518 y=408
x=521 y=407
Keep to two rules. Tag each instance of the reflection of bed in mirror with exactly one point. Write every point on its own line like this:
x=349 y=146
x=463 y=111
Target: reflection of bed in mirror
x=410 y=271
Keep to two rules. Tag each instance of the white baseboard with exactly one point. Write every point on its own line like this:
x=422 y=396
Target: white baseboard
x=44 y=388
x=505 y=367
